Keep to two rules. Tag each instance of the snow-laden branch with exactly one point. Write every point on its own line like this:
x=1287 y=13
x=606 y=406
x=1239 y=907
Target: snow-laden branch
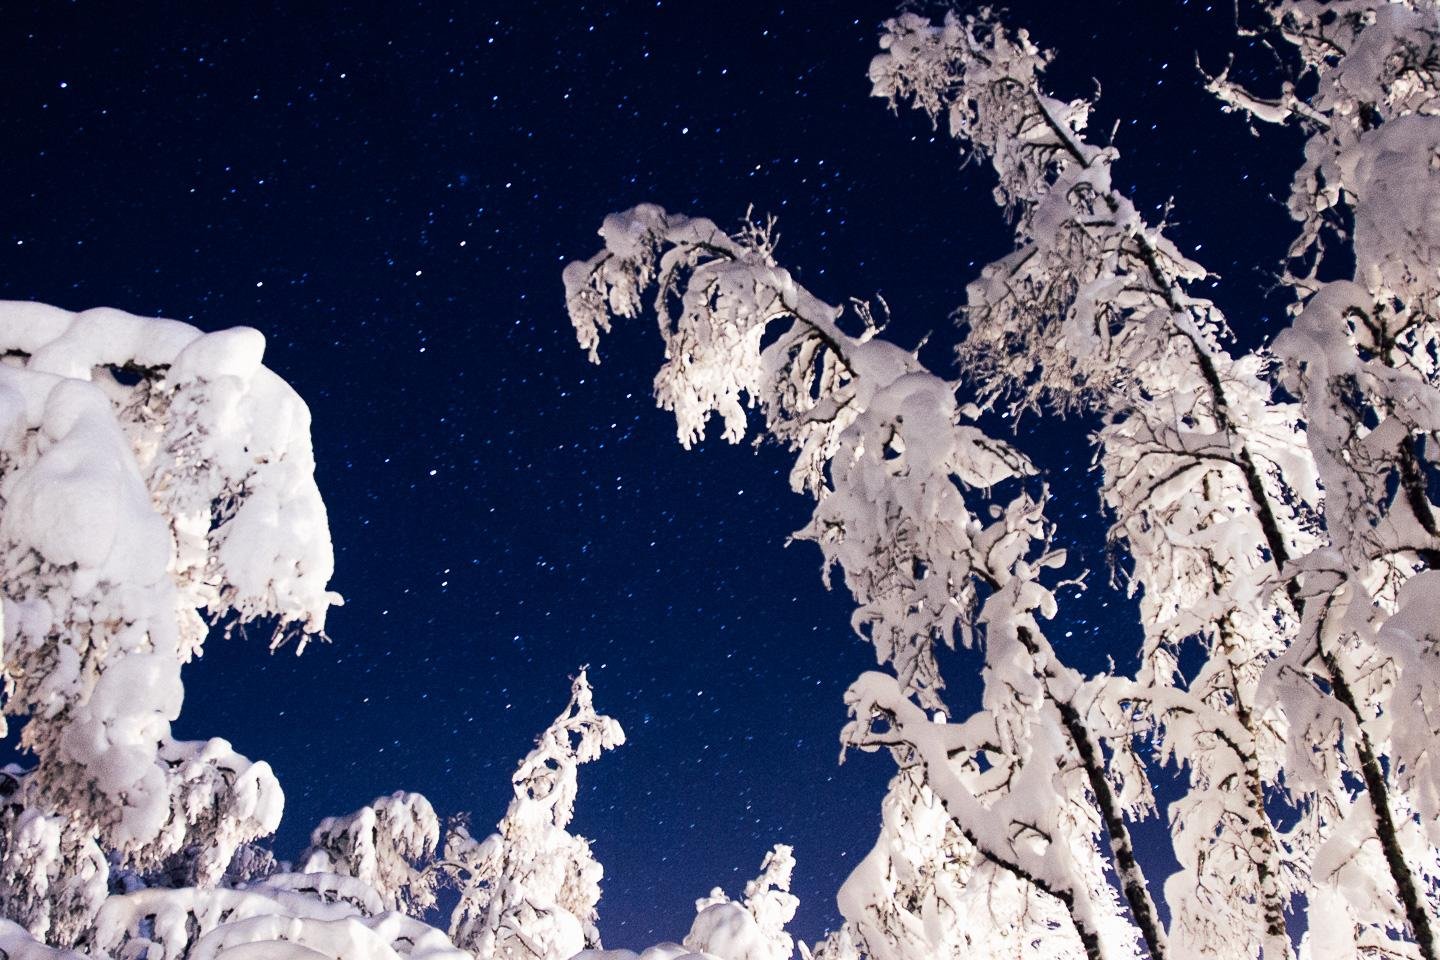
x=877 y=437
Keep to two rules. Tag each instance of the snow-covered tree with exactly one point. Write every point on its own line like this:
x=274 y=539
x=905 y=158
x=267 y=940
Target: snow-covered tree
x=1207 y=477
x=153 y=480
x=529 y=890
x=1290 y=544
x=387 y=845
x=881 y=443
x=753 y=928
x=292 y=917
x=54 y=876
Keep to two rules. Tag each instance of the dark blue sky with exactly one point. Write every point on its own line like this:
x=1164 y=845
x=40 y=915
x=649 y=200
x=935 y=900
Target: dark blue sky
x=389 y=191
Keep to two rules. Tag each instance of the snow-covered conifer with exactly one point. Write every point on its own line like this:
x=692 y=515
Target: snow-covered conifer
x=387 y=845
x=153 y=479
x=52 y=874
x=754 y=928
x=529 y=890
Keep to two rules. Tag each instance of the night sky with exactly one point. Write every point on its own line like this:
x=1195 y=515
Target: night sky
x=390 y=191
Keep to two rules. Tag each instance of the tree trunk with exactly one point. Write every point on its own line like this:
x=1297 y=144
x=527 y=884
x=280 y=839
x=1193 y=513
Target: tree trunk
x=1127 y=867
x=1375 y=783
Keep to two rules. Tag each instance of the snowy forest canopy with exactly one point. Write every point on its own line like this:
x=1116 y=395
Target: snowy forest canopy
x=1272 y=511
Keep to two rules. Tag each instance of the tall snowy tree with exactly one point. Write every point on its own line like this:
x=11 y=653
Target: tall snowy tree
x=881 y=442
x=1207 y=477
x=1361 y=355
x=1288 y=543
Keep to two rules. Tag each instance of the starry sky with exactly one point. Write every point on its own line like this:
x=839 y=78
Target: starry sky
x=389 y=192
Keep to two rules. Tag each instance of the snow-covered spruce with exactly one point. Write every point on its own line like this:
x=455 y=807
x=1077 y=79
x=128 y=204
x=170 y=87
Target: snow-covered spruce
x=725 y=929
x=529 y=890
x=386 y=845
x=153 y=480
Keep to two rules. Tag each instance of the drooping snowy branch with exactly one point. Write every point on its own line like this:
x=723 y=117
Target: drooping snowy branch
x=877 y=437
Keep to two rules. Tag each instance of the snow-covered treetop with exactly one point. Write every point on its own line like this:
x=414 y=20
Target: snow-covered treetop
x=1365 y=351
x=1364 y=65
x=752 y=929
x=1091 y=311
x=529 y=891
x=386 y=845
x=152 y=478
x=548 y=778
